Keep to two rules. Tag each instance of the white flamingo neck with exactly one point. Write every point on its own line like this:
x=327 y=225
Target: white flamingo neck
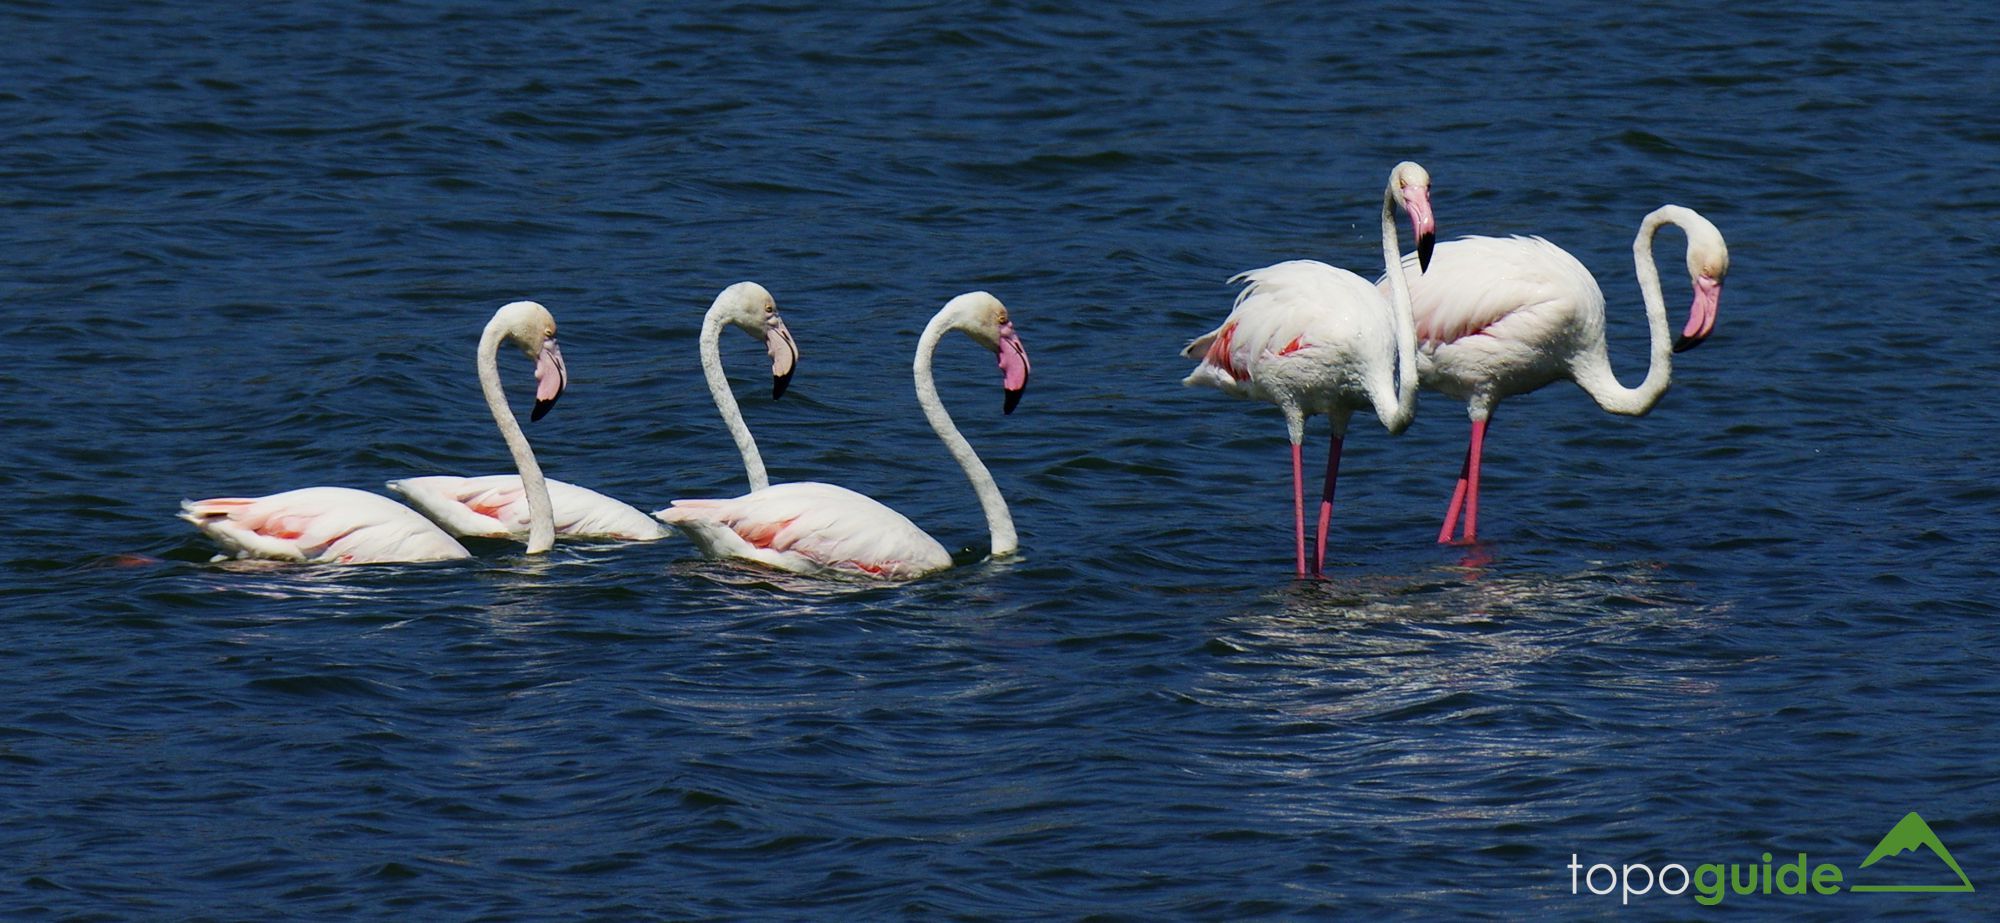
x=1404 y=317
x=541 y=512
x=725 y=399
x=999 y=523
x=1593 y=369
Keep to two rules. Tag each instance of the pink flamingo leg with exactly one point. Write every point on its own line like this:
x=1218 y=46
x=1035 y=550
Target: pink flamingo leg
x=1466 y=495
x=1299 y=507
x=1457 y=499
x=1326 y=505
x=1472 y=480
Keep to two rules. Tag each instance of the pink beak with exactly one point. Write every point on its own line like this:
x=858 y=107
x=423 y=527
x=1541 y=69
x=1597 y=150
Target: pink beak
x=1701 y=316
x=551 y=377
x=784 y=355
x=1417 y=201
x=1013 y=367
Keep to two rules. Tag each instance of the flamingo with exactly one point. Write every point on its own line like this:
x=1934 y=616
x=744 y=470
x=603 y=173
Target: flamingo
x=341 y=525
x=495 y=506
x=1315 y=339
x=1504 y=316
x=824 y=530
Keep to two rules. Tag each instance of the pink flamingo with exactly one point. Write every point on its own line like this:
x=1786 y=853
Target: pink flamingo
x=824 y=530
x=1315 y=339
x=341 y=525
x=1506 y=316
x=496 y=506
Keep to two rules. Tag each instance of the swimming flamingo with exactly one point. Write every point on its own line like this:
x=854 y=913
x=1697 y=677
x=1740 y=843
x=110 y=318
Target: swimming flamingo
x=340 y=525
x=1315 y=339
x=495 y=506
x=821 y=529
x=1506 y=316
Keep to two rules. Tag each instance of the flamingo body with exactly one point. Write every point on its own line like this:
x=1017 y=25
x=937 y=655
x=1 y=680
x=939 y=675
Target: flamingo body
x=1306 y=336
x=321 y=525
x=1498 y=316
x=496 y=506
x=810 y=528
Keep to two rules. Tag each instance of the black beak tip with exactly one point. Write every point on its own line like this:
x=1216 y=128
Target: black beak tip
x=1425 y=245
x=1013 y=400
x=778 y=385
x=541 y=408
x=1685 y=343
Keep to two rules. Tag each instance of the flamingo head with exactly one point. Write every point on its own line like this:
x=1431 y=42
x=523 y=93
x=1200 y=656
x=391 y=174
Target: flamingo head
x=1708 y=265
x=1413 y=190
x=533 y=329
x=985 y=319
x=750 y=306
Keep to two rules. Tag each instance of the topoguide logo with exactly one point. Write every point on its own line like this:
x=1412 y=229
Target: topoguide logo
x=1711 y=882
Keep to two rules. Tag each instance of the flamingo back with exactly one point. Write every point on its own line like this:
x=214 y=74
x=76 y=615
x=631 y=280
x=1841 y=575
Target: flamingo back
x=496 y=506
x=1477 y=283
x=809 y=527
x=335 y=525
x=1303 y=327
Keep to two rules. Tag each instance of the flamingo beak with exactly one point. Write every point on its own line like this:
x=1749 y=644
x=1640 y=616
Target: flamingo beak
x=551 y=377
x=1014 y=367
x=784 y=355
x=1417 y=201
x=1701 y=316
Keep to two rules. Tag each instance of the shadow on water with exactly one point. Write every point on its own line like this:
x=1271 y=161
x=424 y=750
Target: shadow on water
x=1453 y=696
x=1450 y=643
x=969 y=570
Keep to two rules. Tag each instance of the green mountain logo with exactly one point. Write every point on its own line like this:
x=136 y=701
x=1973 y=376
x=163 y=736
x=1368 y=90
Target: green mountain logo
x=1909 y=834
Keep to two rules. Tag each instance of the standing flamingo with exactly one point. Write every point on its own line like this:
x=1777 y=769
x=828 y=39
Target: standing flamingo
x=1315 y=339
x=821 y=529
x=495 y=506
x=1506 y=316
x=340 y=525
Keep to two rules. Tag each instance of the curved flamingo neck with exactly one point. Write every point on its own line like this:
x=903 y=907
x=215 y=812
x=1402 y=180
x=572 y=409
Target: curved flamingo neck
x=1405 y=319
x=725 y=399
x=541 y=513
x=999 y=522
x=1592 y=371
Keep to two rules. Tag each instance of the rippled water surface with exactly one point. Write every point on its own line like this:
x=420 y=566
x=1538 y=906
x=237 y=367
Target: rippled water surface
x=250 y=248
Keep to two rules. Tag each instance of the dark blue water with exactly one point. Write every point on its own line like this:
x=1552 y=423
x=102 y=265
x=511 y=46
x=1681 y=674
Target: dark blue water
x=249 y=249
